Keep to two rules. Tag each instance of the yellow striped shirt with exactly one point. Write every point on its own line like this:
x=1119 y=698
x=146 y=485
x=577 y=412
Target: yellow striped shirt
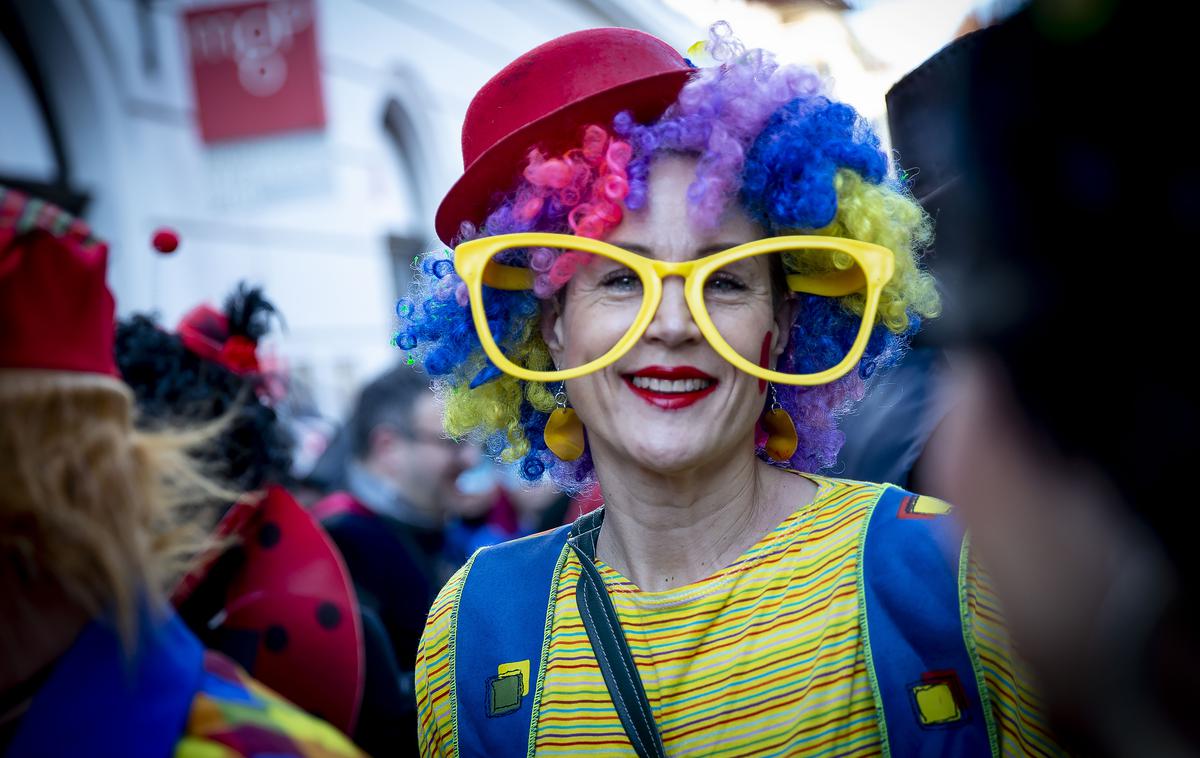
x=765 y=657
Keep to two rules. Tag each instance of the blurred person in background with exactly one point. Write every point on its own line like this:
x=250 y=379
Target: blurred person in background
x=207 y=368
x=513 y=508
x=274 y=594
x=389 y=523
x=485 y=514
x=1076 y=413
x=544 y=506
x=96 y=518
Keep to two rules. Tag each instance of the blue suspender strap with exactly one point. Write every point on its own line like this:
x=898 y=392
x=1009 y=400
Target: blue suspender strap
x=916 y=631
x=503 y=617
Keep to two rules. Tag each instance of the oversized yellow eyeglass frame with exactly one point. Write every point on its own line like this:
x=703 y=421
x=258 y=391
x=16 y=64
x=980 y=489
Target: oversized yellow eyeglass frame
x=473 y=261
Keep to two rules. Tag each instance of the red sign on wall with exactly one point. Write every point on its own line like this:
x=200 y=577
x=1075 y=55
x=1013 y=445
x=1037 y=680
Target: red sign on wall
x=255 y=68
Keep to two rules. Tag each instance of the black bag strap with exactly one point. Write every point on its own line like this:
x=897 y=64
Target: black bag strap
x=608 y=641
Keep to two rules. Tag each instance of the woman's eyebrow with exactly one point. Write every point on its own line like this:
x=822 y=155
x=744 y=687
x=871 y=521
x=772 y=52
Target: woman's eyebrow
x=639 y=249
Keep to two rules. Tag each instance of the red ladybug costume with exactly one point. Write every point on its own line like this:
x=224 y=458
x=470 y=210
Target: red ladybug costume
x=288 y=613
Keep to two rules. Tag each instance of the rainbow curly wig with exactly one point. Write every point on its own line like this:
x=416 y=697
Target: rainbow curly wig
x=768 y=137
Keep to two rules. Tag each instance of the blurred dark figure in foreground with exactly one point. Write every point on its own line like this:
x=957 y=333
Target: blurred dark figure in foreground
x=888 y=430
x=389 y=522
x=887 y=433
x=273 y=594
x=1076 y=416
x=95 y=519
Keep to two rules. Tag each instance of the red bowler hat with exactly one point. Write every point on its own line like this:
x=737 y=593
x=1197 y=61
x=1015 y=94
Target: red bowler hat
x=56 y=311
x=543 y=97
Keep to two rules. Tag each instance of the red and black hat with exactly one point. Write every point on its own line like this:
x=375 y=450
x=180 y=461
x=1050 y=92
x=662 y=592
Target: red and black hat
x=204 y=331
x=229 y=337
x=542 y=98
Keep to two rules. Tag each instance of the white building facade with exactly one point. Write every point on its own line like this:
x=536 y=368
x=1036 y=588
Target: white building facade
x=98 y=107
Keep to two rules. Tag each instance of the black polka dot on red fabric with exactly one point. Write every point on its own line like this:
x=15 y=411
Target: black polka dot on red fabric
x=269 y=535
x=276 y=638
x=328 y=615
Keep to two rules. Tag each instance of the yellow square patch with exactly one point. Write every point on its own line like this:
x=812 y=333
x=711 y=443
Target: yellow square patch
x=930 y=506
x=516 y=667
x=935 y=704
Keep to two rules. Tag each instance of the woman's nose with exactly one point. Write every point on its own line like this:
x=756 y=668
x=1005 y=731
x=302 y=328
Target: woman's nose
x=673 y=323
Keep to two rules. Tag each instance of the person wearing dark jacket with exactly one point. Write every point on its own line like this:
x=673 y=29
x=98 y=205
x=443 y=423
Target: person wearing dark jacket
x=388 y=522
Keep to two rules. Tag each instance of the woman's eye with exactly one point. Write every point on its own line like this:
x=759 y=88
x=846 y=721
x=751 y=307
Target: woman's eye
x=724 y=283
x=620 y=280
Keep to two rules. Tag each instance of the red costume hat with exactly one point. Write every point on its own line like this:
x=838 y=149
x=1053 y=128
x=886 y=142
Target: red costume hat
x=205 y=331
x=56 y=311
x=543 y=97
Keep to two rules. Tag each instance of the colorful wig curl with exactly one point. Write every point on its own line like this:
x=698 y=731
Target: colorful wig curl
x=767 y=137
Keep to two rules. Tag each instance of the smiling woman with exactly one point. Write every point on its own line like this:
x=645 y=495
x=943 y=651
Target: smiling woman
x=689 y=274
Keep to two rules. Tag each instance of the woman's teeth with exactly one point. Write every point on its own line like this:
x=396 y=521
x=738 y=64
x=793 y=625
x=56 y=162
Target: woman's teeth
x=670 y=385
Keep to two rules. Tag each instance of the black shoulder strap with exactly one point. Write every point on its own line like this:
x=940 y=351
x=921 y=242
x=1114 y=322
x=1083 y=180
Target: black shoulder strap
x=608 y=641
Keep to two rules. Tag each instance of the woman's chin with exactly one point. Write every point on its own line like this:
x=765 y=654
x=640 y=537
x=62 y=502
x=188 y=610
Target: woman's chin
x=669 y=455
x=672 y=441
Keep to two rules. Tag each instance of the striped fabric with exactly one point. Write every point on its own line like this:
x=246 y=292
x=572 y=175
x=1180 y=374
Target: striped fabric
x=234 y=716
x=1019 y=721
x=23 y=213
x=763 y=658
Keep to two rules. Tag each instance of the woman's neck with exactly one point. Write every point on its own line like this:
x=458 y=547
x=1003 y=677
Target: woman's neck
x=667 y=530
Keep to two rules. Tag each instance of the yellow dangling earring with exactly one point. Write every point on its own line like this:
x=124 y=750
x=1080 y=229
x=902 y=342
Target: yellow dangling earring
x=781 y=431
x=564 y=430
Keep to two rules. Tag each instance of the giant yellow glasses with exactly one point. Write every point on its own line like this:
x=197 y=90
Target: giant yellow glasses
x=613 y=295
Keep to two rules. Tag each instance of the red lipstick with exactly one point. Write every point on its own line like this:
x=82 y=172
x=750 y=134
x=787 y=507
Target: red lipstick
x=670 y=401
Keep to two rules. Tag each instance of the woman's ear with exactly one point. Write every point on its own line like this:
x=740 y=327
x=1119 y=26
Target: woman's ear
x=552 y=328
x=785 y=316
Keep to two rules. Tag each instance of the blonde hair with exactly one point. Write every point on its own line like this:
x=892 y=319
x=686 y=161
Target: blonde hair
x=108 y=513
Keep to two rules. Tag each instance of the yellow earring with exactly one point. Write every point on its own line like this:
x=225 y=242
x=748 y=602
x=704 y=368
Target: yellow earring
x=564 y=430
x=782 y=439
